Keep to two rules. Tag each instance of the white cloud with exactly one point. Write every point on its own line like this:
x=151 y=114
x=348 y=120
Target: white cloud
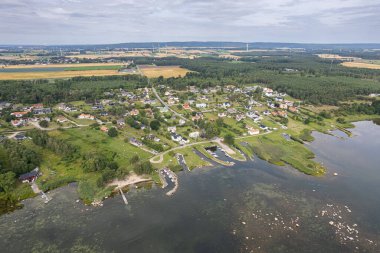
x=78 y=21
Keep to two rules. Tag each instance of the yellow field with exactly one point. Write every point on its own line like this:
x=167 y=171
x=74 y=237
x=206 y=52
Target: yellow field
x=361 y=65
x=57 y=74
x=165 y=71
x=61 y=65
x=337 y=57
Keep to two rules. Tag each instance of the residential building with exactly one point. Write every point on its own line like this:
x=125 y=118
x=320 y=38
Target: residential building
x=194 y=135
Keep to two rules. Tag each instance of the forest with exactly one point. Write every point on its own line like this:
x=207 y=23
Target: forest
x=301 y=75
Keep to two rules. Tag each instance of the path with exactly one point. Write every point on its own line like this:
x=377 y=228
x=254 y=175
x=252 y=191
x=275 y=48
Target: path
x=162 y=102
x=218 y=141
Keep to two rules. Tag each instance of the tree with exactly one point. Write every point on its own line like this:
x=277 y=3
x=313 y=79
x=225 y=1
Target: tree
x=44 y=123
x=134 y=159
x=112 y=132
x=229 y=139
x=155 y=124
x=7 y=181
x=340 y=120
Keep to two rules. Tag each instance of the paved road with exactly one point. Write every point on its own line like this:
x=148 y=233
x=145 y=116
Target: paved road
x=161 y=155
x=162 y=102
x=182 y=162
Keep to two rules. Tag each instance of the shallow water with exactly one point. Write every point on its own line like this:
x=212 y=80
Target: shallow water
x=250 y=207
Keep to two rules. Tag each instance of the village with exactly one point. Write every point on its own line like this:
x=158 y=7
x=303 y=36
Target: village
x=159 y=124
x=244 y=111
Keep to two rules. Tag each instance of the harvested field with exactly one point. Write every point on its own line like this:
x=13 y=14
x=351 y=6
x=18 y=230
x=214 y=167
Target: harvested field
x=336 y=57
x=57 y=74
x=363 y=65
x=61 y=65
x=165 y=71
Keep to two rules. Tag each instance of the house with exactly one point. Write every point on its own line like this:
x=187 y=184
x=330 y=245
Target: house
x=293 y=109
x=226 y=104
x=222 y=114
x=173 y=100
x=204 y=98
x=86 y=116
x=163 y=109
x=252 y=115
x=283 y=106
x=240 y=117
x=194 y=135
x=279 y=99
x=135 y=142
x=61 y=119
x=104 y=129
x=172 y=129
x=184 y=141
x=266 y=113
x=176 y=137
x=18 y=122
x=282 y=114
x=19 y=114
x=134 y=112
x=20 y=137
x=186 y=106
x=30 y=176
x=4 y=105
x=120 y=122
x=201 y=105
x=181 y=122
x=149 y=112
x=37 y=106
x=152 y=137
x=197 y=116
x=97 y=107
x=252 y=131
x=231 y=111
x=41 y=111
x=289 y=103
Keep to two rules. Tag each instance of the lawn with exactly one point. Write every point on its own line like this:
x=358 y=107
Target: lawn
x=275 y=149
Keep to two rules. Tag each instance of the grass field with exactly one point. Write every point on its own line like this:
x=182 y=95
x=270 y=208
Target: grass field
x=364 y=65
x=165 y=71
x=57 y=74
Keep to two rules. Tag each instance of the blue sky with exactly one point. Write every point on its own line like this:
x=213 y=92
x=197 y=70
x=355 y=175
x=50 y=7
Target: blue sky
x=115 y=21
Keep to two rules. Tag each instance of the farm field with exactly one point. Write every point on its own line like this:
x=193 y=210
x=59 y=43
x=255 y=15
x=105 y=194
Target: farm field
x=57 y=74
x=365 y=65
x=59 y=65
x=165 y=71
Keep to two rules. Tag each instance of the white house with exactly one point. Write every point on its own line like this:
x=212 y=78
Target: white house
x=176 y=137
x=194 y=135
x=181 y=122
x=172 y=129
x=252 y=131
x=201 y=105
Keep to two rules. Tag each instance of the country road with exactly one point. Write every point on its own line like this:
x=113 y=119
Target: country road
x=162 y=102
x=217 y=141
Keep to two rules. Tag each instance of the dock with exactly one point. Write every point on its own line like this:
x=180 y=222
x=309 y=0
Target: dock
x=123 y=196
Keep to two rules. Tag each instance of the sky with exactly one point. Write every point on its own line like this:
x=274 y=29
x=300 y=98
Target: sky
x=117 y=21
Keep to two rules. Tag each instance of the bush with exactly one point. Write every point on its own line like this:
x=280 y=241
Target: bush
x=112 y=132
x=155 y=125
x=44 y=123
x=229 y=139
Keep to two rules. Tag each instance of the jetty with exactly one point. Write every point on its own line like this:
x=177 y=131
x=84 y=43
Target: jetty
x=123 y=196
